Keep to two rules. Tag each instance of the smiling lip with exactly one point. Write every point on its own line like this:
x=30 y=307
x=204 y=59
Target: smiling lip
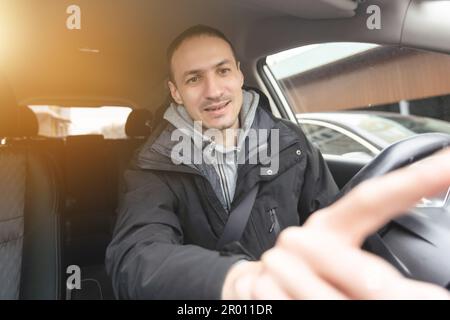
x=215 y=108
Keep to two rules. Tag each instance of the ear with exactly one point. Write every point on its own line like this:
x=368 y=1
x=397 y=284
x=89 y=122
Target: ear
x=175 y=93
x=241 y=75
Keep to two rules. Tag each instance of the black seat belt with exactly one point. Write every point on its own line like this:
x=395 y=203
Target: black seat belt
x=237 y=220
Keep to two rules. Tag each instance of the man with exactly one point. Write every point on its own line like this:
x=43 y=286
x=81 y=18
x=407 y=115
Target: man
x=181 y=194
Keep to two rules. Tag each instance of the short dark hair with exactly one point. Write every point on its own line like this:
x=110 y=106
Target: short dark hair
x=194 y=31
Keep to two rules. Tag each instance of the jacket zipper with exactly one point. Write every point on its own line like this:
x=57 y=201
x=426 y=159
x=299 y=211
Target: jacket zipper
x=224 y=185
x=209 y=190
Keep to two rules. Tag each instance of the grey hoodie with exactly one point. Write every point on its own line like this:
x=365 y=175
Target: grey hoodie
x=224 y=161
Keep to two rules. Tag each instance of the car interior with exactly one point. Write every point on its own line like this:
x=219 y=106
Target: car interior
x=59 y=194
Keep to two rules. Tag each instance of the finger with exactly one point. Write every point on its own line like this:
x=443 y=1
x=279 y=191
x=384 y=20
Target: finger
x=374 y=202
x=265 y=287
x=416 y=290
x=295 y=278
x=357 y=274
x=243 y=287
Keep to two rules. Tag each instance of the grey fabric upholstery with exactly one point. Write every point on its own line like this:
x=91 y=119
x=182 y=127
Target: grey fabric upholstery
x=29 y=225
x=41 y=262
x=12 y=203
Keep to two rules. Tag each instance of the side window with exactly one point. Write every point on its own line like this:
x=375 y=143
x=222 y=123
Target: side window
x=332 y=142
x=384 y=93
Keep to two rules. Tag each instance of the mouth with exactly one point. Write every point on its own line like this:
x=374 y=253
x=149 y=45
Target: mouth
x=217 y=108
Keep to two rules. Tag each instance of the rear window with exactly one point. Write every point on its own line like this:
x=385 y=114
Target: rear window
x=57 y=121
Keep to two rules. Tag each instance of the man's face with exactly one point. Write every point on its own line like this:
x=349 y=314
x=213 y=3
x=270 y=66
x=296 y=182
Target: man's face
x=208 y=81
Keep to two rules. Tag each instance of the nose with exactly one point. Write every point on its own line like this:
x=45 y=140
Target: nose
x=213 y=88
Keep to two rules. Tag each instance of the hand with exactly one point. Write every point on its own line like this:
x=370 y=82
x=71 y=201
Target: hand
x=323 y=259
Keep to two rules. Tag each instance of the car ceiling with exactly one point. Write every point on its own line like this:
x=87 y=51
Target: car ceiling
x=118 y=55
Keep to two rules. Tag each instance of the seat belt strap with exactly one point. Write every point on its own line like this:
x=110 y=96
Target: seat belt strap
x=237 y=220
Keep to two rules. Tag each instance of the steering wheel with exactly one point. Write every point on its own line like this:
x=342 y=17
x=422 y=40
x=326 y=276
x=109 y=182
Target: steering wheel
x=417 y=244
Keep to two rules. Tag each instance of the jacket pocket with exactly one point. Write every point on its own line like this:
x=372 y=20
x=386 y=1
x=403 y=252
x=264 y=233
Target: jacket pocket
x=275 y=224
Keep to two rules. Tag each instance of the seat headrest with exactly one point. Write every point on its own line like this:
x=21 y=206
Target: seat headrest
x=15 y=121
x=139 y=123
x=18 y=122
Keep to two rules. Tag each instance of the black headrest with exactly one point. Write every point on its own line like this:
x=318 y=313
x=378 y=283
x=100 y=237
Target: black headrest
x=139 y=123
x=15 y=121
x=18 y=122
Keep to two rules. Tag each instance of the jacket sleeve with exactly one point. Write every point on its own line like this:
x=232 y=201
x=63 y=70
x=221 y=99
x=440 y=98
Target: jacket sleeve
x=147 y=259
x=319 y=188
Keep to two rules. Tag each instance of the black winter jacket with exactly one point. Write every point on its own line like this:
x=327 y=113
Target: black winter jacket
x=170 y=218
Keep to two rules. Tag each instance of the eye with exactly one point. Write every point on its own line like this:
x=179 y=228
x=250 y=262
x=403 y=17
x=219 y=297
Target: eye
x=224 y=71
x=192 y=80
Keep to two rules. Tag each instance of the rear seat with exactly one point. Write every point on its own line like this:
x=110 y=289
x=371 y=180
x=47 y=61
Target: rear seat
x=94 y=168
x=84 y=215
x=90 y=170
x=89 y=199
x=93 y=171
